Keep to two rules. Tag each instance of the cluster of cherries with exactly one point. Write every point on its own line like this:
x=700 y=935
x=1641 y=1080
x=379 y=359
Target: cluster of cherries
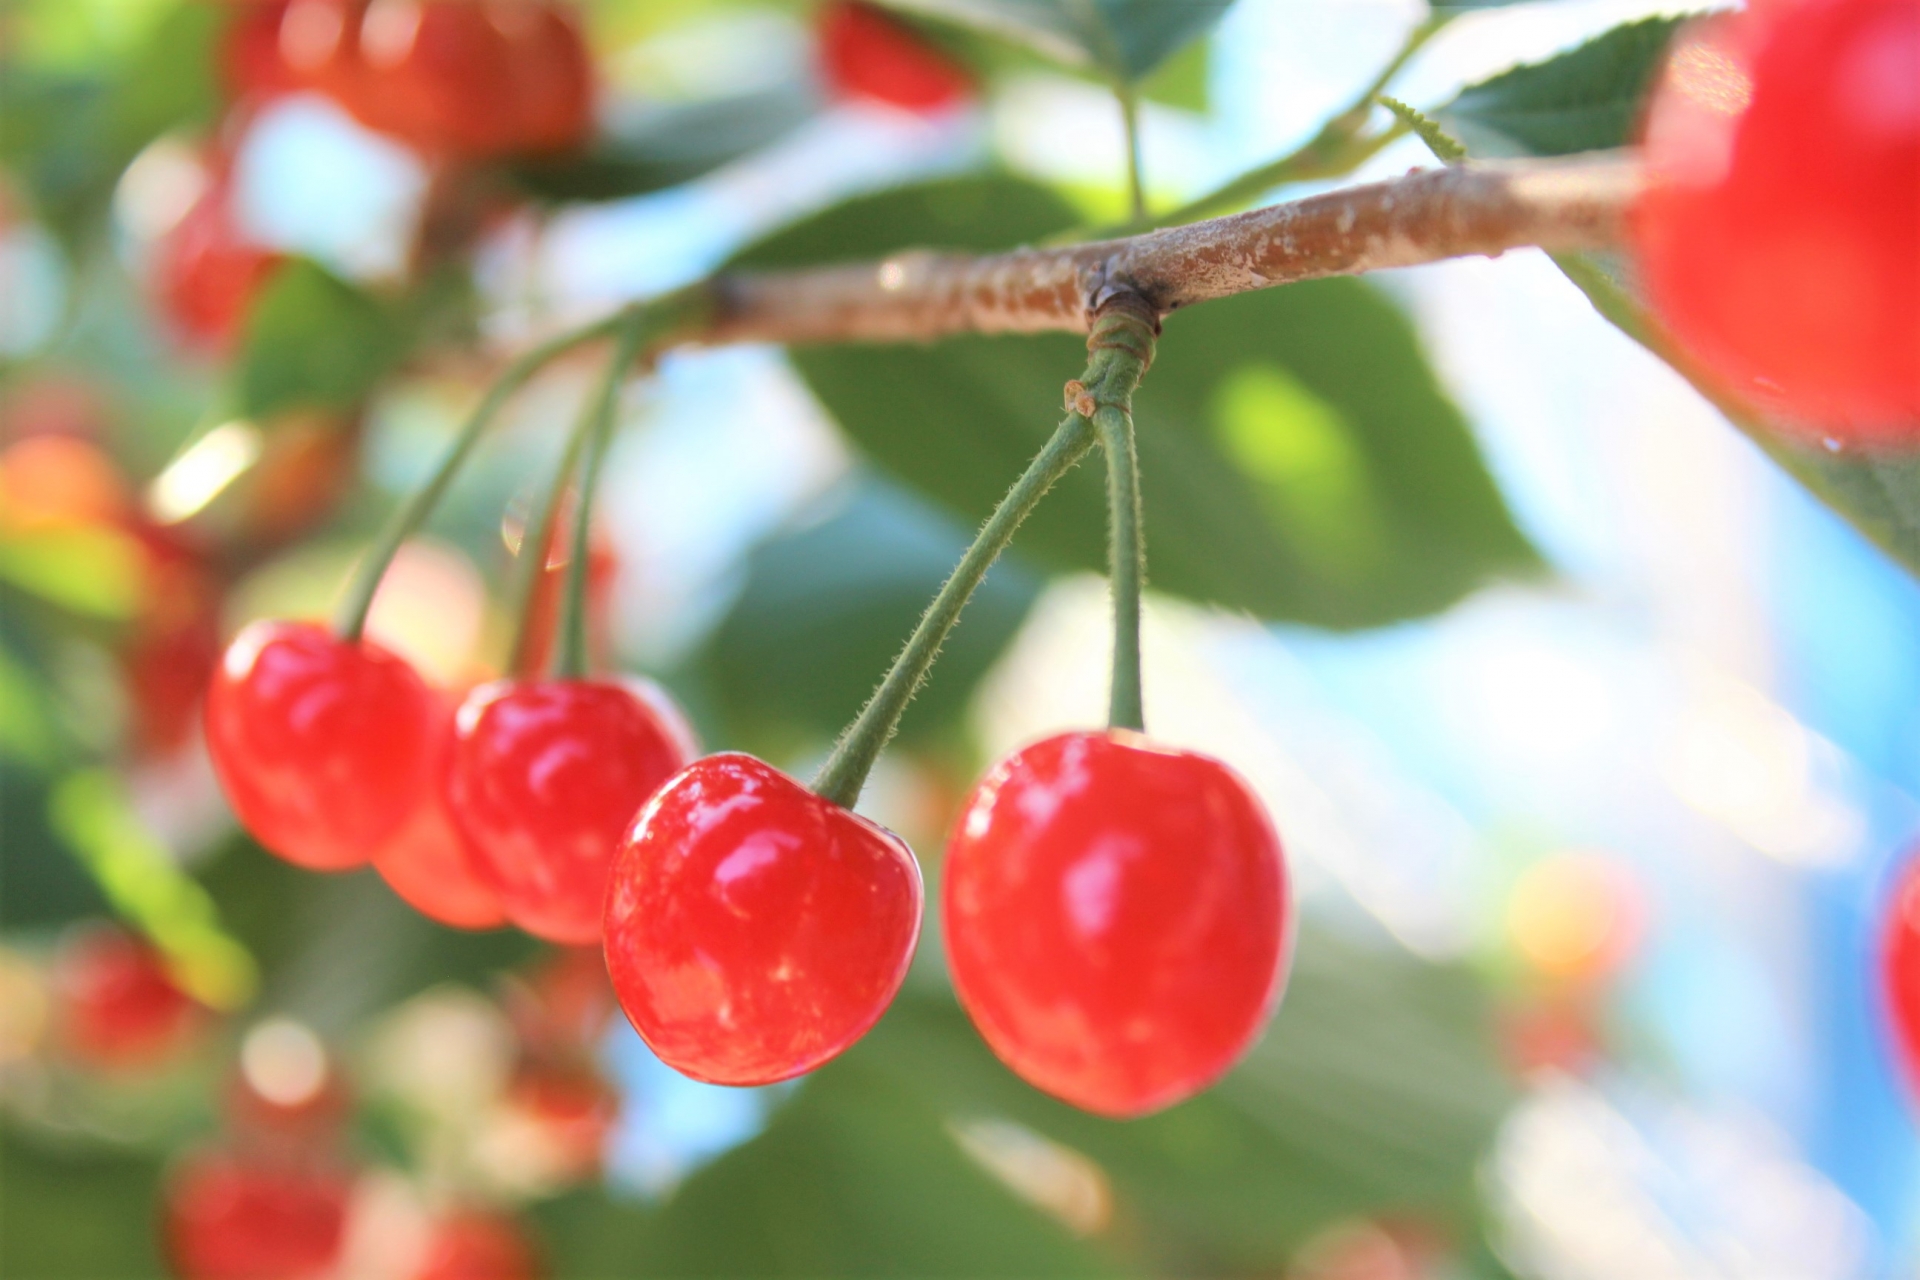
x=1779 y=234
x=1115 y=910
x=463 y=84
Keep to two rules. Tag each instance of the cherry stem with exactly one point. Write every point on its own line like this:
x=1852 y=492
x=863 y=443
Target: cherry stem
x=536 y=543
x=1120 y=348
x=570 y=644
x=352 y=618
x=1126 y=562
x=1130 y=121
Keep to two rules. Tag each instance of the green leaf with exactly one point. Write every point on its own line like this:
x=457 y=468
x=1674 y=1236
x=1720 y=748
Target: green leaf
x=1376 y=1089
x=313 y=340
x=1122 y=39
x=667 y=146
x=93 y=572
x=1299 y=461
x=75 y=1211
x=827 y=605
x=1182 y=80
x=1586 y=99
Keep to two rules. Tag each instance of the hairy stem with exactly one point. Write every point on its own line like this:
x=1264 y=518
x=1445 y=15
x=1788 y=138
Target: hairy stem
x=845 y=772
x=352 y=618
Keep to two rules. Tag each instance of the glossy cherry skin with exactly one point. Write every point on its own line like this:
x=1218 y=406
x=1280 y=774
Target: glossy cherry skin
x=756 y=930
x=545 y=776
x=1779 y=236
x=1116 y=918
x=427 y=860
x=119 y=1008
x=321 y=746
x=1900 y=967
x=228 y=1216
x=866 y=53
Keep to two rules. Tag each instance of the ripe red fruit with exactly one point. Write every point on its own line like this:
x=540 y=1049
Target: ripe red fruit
x=567 y=1111
x=118 y=1007
x=544 y=777
x=321 y=745
x=427 y=861
x=1900 y=967
x=206 y=272
x=474 y=77
x=1780 y=233
x=230 y=1217
x=755 y=929
x=473 y=1245
x=1116 y=918
x=865 y=53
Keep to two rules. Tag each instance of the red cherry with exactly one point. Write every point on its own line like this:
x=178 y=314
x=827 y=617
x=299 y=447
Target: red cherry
x=1780 y=233
x=755 y=930
x=1900 y=967
x=206 y=272
x=321 y=745
x=544 y=777
x=428 y=861
x=474 y=77
x=229 y=1217
x=472 y=1245
x=569 y=1110
x=868 y=54
x=1116 y=918
x=250 y=59
x=119 y=1008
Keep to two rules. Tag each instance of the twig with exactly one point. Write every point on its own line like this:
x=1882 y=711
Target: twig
x=1424 y=216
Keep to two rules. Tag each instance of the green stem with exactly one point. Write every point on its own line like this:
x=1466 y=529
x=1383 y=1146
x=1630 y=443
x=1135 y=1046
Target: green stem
x=352 y=618
x=1339 y=148
x=1126 y=561
x=1120 y=349
x=1130 y=119
x=846 y=769
x=536 y=539
x=570 y=645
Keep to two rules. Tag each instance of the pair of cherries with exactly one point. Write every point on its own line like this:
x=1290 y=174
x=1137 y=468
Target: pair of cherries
x=1115 y=916
x=1115 y=911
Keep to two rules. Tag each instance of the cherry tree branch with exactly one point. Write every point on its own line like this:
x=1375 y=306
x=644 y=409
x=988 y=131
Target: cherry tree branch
x=1424 y=216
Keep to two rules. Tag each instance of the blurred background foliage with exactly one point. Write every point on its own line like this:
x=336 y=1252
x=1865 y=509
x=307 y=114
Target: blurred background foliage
x=237 y=324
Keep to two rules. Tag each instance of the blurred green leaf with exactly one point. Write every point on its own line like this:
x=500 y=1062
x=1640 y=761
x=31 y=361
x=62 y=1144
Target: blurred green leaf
x=664 y=146
x=828 y=604
x=1124 y=39
x=1182 y=80
x=1598 y=88
x=1586 y=99
x=1375 y=1091
x=68 y=135
x=1299 y=460
x=45 y=884
x=94 y=572
x=75 y=1213
x=858 y=1176
x=314 y=341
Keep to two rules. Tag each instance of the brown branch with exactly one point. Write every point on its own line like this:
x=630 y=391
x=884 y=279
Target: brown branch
x=1424 y=216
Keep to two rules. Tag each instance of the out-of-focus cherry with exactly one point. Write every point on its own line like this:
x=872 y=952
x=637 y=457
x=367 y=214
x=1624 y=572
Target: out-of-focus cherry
x=117 y=1007
x=206 y=271
x=868 y=54
x=227 y=1215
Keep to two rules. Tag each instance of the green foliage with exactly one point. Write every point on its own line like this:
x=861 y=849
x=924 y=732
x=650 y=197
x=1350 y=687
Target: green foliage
x=1374 y=1092
x=667 y=146
x=1586 y=99
x=1124 y=40
x=1351 y=496
x=314 y=341
x=826 y=606
x=75 y=1214
x=68 y=135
